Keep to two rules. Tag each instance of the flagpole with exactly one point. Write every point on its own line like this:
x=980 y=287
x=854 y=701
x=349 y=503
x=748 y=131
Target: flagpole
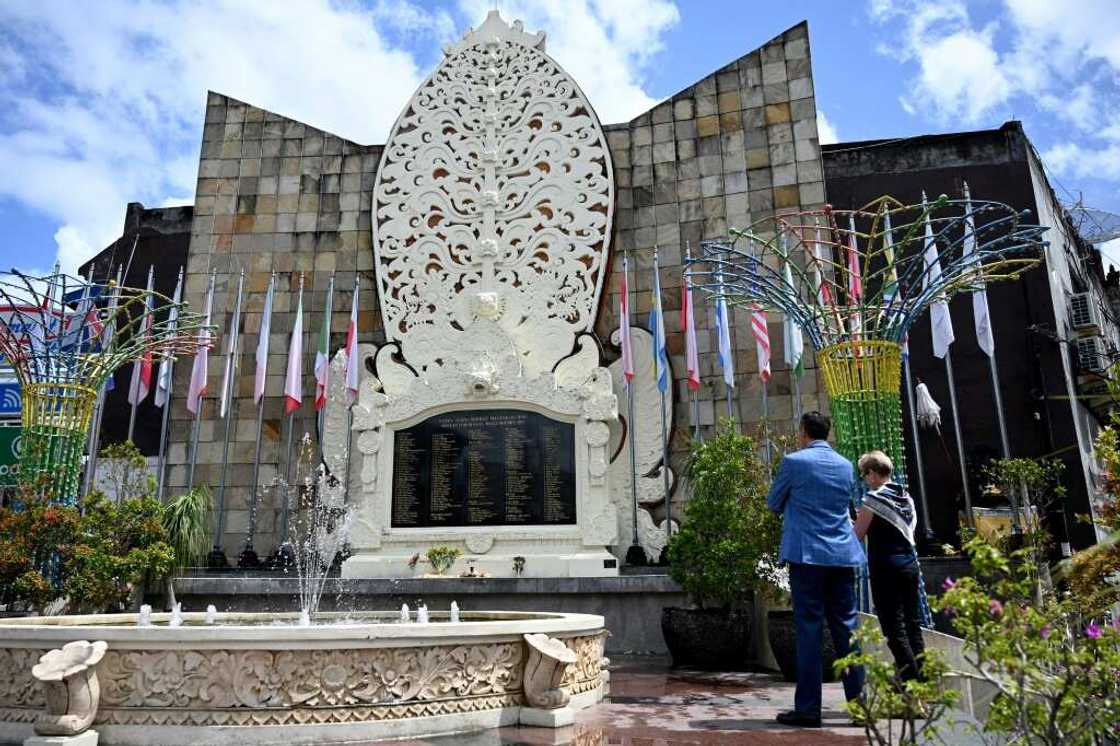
x=635 y=555
x=325 y=330
x=664 y=425
x=166 y=419
x=133 y=386
x=351 y=383
x=923 y=501
x=99 y=411
x=249 y=556
x=291 y=427
x=693 y=394
x=957 y=432
x=218 y=555
x=202 y=394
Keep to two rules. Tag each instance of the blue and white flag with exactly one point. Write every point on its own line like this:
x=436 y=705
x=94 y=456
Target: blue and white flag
x=657 y=329
x=723 y=331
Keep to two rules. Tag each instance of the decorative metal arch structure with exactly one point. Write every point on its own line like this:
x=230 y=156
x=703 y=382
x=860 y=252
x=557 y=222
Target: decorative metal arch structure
x=64 y=337
x=855 y=281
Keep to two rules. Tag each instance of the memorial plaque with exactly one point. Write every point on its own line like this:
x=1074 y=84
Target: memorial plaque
x=494 y=467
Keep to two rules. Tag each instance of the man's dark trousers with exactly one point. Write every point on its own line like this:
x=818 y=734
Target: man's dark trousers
x=822 y=594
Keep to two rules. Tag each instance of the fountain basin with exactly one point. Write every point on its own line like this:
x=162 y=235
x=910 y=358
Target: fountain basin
x=263 y=679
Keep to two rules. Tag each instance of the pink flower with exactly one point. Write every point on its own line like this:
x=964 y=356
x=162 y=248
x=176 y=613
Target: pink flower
x=1093 y=631
x=995 y=608
x=949 y=584
x=1045 y=631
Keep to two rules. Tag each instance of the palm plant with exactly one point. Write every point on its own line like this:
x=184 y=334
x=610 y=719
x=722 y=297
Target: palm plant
x=185 y=520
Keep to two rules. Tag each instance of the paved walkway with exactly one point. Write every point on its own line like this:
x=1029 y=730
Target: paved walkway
x=653 y=705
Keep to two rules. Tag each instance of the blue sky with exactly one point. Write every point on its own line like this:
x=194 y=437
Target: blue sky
x=101 y=103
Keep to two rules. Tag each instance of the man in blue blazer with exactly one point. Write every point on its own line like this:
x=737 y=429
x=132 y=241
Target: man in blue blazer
x=813 y=490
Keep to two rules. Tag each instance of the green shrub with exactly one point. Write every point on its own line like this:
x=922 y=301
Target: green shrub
x=729 y=537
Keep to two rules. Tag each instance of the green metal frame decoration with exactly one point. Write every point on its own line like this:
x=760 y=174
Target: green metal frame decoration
x=64 y=337
x=856 y=282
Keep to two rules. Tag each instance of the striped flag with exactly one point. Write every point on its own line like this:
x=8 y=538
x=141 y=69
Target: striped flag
x=322 y=354
x=142 y=368
x=200 y=367
x=163 y=378
x=352 y=347
x=760 y=328
x=940 y=320
x=657 y=329
x=980 y=313
x=794 y=342
x=723 y=331
x=624 y=323
x=293 y=383
x=688 y=326
x=261 y=375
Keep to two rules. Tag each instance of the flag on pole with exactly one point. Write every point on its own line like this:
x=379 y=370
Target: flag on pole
x=824 y=294
x=199 y=370
x=322 y=353
x=657 y=329
x=760 y=328
x=980 y=312
x=688 y=326
x=624 y=323
x=142 y=368
x=794 y=342
x=855 y=278
x=723 y=332
x=261 y=375
x=229 y=373
x=940 y=320
x=163 y=378
x=891 y=288
x=110 y=329
x=293 y=384
x=352 y=348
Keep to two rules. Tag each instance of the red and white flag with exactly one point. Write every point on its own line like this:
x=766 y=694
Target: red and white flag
x=261 y=375
x=824 y=293
x=200 y=368
x=323 y=353
x=624 y=323
x=761 y=331
x=352 y=348
x=163 y=377
x=142 y=368
x=688 y=326
x=293 y=383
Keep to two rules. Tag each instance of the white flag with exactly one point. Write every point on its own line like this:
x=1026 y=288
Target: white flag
x=940 y=320
x=199 y=370
x=229 y=375
x=794 y=341
x=723 y=333
x=293 y=383
x=262 y=344
x=141 y=382
x=163 y=379
x=979 y=297
x=352 y=348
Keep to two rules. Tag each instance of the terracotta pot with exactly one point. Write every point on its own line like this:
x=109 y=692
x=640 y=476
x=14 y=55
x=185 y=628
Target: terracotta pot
x=710 y=639
x=783 y=644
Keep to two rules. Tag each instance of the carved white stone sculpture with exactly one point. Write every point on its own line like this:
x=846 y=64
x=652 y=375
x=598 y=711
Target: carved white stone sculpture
x=70 y=684
x=492 y=221
x=545 y=667
x=493 y=200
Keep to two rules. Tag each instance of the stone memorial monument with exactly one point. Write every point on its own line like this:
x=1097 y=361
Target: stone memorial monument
x=484 y=422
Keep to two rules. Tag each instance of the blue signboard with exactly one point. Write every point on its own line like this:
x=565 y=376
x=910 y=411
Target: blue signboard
x=10 y=399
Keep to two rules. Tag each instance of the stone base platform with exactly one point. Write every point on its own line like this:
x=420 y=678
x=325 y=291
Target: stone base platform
x=631 y=604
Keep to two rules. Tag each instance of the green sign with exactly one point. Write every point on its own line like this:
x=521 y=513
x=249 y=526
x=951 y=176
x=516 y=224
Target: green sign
x=10 y=442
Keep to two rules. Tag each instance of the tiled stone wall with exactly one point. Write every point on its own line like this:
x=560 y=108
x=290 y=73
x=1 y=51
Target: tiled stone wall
x=737 y=146
x=273 y=195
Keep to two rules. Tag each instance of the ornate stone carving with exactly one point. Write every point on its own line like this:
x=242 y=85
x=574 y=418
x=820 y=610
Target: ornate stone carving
x=545 y=668
x=480 y=543
x=493 y=202
x=69 y=678
x=267 y=687
x=651 y=535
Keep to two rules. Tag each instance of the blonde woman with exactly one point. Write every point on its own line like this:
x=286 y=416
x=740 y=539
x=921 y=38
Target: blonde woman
x=888 y=521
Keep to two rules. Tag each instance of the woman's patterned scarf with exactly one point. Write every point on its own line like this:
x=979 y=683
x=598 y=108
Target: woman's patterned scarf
x=891 y=503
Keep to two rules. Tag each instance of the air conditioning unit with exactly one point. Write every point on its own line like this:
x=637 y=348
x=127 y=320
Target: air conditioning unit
x=1083 y=312
x=1091 y=354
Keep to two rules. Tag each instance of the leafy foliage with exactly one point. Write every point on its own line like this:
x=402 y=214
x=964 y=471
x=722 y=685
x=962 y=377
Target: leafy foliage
x=442 y=558
x=126 y=471
x=186 y=519
x=729 y=537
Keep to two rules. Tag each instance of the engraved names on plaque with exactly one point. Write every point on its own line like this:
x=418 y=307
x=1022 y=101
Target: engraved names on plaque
x=498 y=467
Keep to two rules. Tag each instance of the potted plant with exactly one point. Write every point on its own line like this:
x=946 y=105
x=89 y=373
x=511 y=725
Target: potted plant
x=442 y=558
x=715 y=556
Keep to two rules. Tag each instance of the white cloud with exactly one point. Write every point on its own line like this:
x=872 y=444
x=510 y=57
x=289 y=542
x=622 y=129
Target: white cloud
x=605 y=45
x=107 y=102
x=1086 y=162
x=826 y=130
